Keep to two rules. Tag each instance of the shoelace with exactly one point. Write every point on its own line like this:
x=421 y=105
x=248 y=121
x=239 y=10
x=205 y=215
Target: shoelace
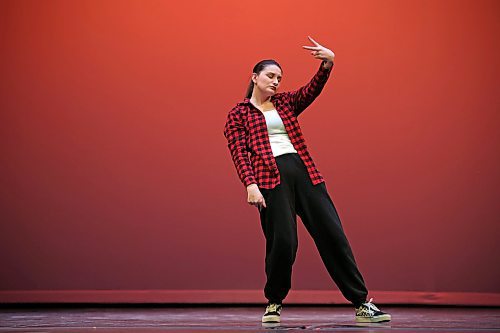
x=272 y=307
x=371 y=306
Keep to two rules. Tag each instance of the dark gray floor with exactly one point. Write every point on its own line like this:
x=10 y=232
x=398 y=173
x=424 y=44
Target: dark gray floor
x=241 y=319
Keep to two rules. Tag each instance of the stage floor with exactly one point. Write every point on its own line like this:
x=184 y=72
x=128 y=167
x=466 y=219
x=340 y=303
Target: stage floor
x=241 y=319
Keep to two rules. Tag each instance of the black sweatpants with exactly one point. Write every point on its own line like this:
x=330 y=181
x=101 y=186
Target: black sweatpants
x=297 y=195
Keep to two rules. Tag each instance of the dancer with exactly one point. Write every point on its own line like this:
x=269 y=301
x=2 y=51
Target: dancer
x=282 y=181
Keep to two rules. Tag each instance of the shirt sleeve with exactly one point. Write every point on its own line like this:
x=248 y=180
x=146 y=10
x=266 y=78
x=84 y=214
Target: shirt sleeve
x=301 y=98
x=234 y=131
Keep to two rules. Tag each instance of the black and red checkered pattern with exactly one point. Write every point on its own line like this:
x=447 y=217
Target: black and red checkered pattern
x=248 y=140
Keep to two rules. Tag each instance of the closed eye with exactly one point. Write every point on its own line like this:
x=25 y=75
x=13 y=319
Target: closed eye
x=271 y=76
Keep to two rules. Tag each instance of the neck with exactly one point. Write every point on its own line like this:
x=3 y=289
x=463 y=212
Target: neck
x=258 y=98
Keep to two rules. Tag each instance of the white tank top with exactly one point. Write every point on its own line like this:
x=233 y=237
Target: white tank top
x=280 y=141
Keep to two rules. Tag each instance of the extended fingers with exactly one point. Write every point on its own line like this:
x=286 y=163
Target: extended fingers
x=312 y=40
x=316 y=48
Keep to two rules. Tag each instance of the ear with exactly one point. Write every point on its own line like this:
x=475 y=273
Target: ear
x=254 y=77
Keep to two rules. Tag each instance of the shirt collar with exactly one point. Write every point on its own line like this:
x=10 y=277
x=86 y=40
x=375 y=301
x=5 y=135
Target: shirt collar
x=246 y=100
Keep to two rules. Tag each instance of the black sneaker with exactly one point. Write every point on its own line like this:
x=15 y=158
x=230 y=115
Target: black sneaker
x=272 y=314
x=369 y=313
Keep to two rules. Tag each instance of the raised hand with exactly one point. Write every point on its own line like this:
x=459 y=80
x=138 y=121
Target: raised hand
x=319 y=51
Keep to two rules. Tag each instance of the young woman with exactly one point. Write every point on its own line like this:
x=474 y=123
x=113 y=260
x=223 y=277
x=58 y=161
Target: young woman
x=273 y=163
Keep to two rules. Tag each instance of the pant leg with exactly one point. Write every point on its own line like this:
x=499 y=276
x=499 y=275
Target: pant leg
x=279 y=224
x=320 y=217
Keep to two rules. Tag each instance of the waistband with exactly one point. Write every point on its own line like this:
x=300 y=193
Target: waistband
x=287 y=155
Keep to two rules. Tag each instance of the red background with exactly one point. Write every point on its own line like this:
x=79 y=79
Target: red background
x=115 y=173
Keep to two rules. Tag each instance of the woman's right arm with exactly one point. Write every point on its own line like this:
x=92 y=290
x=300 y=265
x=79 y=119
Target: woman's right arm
x=234 y=131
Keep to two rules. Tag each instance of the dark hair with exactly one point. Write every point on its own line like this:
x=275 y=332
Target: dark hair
x=257 y=69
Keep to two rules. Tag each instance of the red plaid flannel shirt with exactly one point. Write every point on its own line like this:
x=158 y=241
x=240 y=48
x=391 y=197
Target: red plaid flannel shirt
x=248 y=140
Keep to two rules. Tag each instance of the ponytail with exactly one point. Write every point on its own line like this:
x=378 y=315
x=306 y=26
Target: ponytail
x=250 y=89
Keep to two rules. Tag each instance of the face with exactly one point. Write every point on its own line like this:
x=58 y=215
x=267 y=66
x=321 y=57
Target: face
x=268 y=80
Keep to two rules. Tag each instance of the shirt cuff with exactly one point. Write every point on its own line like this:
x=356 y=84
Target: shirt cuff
x=249 y=181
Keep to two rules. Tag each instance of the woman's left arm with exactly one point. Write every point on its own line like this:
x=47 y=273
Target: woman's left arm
x=301 y=98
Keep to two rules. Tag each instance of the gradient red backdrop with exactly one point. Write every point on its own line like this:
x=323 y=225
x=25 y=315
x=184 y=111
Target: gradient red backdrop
x=115 y=174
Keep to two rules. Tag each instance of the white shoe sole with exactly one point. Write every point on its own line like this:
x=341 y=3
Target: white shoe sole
x=375 y=319
x=271 y=319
